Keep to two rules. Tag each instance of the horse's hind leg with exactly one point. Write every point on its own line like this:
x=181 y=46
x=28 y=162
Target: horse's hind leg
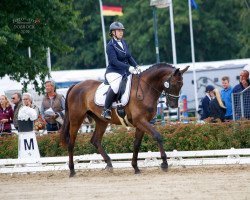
x=97 y=138
x=74 y=127
x=137 y=143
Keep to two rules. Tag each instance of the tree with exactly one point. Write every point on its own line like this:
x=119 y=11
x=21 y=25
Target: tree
x=72 y=29
x=221 y=31
x=35 y=24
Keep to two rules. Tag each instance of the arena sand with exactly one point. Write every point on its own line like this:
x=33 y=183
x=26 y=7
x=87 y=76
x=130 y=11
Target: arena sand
x=210 y=182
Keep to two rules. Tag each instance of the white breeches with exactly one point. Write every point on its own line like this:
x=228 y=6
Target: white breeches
x=114 y=80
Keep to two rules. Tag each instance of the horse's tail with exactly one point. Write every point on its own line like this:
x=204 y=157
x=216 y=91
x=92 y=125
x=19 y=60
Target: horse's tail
x=64 y=130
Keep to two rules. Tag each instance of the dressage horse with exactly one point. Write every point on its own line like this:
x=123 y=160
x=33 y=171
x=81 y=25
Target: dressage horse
x=146 y=89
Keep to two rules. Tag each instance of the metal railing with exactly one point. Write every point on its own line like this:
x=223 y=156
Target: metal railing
x=241 y=104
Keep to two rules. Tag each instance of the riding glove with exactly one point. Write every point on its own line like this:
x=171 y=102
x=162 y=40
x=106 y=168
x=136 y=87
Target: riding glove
x=132 y=70
x=138 y=69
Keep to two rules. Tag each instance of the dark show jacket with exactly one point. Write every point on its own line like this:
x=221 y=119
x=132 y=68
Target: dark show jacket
x=119 y=59
x=239 y=87
x=205 y=108
x=216 y=111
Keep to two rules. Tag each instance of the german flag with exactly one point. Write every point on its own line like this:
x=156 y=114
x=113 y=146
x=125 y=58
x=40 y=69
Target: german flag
x=112 y=10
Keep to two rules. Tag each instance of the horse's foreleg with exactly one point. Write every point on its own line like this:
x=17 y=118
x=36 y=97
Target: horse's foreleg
x=137 y=143
x=96 y=141
x=147 y=127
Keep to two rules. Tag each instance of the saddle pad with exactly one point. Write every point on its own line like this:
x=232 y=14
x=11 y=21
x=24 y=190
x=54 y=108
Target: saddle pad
x=100 y=94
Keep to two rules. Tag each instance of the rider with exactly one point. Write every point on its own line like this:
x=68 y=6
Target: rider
x=121 y=62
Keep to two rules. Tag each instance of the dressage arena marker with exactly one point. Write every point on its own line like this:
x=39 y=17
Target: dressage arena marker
x=123 y=160
x=27 y=146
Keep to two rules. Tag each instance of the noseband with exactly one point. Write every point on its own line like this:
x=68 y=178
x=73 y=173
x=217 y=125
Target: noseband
x=167 y=94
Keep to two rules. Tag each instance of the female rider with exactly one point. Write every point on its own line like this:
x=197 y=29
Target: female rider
x=120 y=63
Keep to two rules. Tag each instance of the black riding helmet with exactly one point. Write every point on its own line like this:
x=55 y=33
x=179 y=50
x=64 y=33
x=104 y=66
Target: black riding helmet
x=115 y=26
x=209 y=88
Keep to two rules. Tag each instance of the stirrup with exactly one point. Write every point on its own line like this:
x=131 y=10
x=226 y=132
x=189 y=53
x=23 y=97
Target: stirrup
x=106 y=114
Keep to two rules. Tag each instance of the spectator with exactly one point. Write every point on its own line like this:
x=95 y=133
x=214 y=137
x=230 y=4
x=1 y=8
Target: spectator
x=17 y=101
x=205 y=102
x=226 y=97
x=27 y=101
x=53 y=106
x=243 y=84
x=6 y=114
x=217 y=107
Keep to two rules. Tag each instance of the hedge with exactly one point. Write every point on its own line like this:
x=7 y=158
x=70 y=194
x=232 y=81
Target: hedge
x=182 y=137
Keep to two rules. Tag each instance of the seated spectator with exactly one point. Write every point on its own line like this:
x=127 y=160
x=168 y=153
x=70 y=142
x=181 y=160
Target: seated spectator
x=205 y=113
x=6 y=114
x=226 y=96
x=217 y=107
x=27 y=101
x=17 y=101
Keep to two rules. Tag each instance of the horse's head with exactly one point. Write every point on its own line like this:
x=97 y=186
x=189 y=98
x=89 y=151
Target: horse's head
x=172 y=85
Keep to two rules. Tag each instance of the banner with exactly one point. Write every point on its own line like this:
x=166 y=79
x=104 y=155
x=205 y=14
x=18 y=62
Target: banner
x=160 y=3
x=194 y=5
x=112 y=11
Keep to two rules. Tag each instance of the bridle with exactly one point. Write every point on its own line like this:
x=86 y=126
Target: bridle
x=167 y=85
x=168 y=95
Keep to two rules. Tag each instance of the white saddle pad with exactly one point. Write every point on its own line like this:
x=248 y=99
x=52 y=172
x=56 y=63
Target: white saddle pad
x=100 y=94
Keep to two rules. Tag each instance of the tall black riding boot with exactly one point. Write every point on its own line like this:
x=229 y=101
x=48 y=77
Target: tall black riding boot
x=108 y=103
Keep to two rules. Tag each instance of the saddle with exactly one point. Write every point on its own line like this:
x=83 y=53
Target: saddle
x=120 y=108
x=122 y=96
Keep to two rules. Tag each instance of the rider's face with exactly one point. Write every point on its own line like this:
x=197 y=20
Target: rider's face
x=118 y=33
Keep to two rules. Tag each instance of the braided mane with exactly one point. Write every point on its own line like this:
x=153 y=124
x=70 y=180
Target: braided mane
x=158 y=66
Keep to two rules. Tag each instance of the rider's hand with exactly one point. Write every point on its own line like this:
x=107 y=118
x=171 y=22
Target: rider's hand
x=138 y=69
x=132 y=70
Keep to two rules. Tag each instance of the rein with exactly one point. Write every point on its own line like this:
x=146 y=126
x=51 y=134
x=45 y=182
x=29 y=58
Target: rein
x=166 y=94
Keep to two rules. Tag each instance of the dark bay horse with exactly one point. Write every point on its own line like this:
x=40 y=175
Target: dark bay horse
x=146 y=89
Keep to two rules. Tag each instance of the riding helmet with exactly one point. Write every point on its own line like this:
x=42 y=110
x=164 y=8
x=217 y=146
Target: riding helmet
x=115 y=26
x=209 y=88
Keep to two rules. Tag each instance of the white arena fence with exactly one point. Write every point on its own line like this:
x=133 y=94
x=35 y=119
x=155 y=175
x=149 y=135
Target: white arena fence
x=148 y=159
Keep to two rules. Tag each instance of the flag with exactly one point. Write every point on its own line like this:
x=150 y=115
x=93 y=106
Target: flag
x=111 y=10
x=193 y=4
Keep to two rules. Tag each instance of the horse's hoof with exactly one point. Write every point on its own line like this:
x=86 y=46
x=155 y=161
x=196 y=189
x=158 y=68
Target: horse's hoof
x=72 y=174
x=109 y=168
x=164 y=166
x=137 y=171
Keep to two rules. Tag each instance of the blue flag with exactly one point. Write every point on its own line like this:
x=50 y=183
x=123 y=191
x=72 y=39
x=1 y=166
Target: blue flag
x=193 y=4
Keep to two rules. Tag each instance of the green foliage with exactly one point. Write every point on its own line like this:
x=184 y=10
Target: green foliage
x=73 y=31
x=8 y=147
x=37 y=25
x=221 y=31
x=182 y=137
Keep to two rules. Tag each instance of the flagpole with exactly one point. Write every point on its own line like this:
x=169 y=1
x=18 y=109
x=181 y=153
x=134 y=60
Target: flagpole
x=29 y=52
x=193 y=56
x=172 y=31
x=156 y=36
x=103 y=33
x=49 y=61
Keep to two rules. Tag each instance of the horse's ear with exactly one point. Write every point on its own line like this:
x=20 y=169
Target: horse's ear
x=185 y=69
x=176 y=71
